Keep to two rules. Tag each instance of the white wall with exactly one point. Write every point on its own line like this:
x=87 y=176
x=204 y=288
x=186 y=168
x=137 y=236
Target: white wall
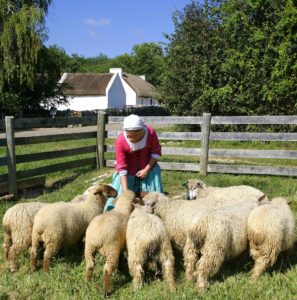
x=130 y=94
x=81 y=103
x=116 y=94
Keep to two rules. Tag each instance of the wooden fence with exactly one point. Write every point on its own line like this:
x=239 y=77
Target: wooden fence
x=96 y=128
x=206 y=135
x=13 y=179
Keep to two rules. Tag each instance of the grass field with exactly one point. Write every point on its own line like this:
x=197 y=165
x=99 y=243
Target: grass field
x=66 y=279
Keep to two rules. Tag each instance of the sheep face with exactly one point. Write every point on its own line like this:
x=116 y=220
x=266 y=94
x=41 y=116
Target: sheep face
x=193 y=187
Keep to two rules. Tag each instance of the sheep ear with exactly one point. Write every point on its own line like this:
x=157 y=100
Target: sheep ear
x=200 y=184
x=289 y=202
x=143 y=194
x=98 y=192
x=137 y=200
x=261 y=199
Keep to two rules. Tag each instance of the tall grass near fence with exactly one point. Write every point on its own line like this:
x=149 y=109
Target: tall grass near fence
x=66 y=279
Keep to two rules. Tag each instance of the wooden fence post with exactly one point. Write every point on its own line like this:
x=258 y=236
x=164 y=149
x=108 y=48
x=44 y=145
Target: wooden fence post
x=101 y=121
x=205 y=131
x=10 y=155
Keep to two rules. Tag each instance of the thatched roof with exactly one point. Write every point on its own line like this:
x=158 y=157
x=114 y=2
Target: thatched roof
x=79 y=84
x=141 y=87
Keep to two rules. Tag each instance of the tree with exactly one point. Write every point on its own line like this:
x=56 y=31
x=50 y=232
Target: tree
x=148 y=60
x=232 y=57
x=22 y=32
x=191 y=63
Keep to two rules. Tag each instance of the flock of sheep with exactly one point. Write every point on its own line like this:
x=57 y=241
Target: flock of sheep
x=219 y=225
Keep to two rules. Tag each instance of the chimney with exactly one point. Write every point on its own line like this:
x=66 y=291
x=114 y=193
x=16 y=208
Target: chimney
x=116 y=71
x=142 y=77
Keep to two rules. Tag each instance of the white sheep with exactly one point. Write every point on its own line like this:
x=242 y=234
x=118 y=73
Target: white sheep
x=106 y=234
x=197 y=189
x=271 y=230
x=178 y=214
x=214 y=236
x=63 y=224
x=17 y=226
x=148 y=242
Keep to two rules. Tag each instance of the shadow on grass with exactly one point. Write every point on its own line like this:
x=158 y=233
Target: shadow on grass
x=244 y=263
x=72 y=256
x=31 y=193
x=285 y=261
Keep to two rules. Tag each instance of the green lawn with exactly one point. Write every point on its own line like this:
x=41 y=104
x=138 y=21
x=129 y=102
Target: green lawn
x=66 y=279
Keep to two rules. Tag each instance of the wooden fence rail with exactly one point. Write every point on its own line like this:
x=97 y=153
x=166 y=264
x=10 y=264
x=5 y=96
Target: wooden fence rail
x=97 y=128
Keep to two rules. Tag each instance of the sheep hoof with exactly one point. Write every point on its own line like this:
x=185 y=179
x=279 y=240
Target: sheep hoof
x=158 y=275
x=254 y=278
x=107 y=294
x=201 y=288
x=13 y=270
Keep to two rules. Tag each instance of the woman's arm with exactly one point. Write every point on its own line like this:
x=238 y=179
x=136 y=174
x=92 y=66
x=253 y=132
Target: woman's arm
x=143 y=173
x=124 y=182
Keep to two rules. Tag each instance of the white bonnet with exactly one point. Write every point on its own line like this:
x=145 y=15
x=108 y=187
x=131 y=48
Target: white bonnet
x=133 y=122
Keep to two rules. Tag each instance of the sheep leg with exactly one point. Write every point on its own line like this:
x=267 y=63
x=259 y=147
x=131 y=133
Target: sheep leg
x=167 y=261
x=110 y=265
x=14 y=252
x=208 y=265
x=190 y=259
x=7 y=242
x=261 y=264
x=136 y=263
x=264 y=257
x=51 y=250
x=89 y=257
x=34 y=248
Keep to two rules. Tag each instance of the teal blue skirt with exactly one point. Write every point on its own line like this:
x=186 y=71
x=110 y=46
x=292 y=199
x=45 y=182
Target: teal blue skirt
x=152 y=183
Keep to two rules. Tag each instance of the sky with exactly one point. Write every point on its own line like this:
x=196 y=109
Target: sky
x=110 y=27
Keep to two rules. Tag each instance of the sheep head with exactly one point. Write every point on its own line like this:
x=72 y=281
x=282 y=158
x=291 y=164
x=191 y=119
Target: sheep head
x=125 y=200
x=281 y=201
x=104 y=190
x=193 y=187
x=152 y=198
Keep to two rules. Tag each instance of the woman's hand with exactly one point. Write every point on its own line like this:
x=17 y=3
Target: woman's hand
x=142 y=173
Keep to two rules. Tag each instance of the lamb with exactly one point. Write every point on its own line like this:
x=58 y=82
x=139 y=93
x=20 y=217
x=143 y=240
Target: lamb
x=271 y=230
x=107 y=235
x=17 y=226
x=215 y=235
x=148 y=242
x=197 y=189
x=63 y=224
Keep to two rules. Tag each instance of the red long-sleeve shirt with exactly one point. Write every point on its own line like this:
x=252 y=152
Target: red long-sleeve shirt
x=130 y=162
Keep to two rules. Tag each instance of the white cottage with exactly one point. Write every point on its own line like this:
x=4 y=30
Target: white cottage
x=116 y=89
